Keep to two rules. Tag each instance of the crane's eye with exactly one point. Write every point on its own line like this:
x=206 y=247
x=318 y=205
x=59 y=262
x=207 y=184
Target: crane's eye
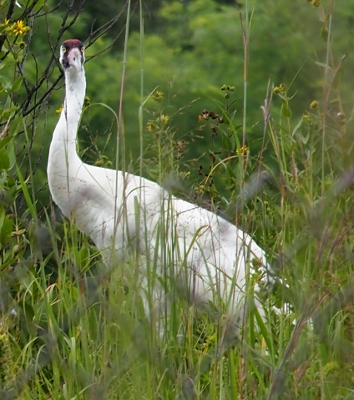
x=63 y=49
x=82 y=49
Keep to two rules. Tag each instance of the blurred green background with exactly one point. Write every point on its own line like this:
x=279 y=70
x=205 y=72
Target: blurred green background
x=191 y=48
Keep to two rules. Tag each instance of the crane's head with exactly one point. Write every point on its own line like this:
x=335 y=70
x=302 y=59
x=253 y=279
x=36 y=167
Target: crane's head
x=72 y=55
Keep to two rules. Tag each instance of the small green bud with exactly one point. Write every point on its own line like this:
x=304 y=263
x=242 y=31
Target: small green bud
x=324 y=33
x=279 y=89
x=307 y=117
x=314 y=104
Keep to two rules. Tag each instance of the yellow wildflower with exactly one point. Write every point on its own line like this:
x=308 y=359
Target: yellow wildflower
x=6 y=22
x=242 y=150
x=60 y=109
x=149 y=126
x=163 y=119
x=158 y=95
x=19 y=28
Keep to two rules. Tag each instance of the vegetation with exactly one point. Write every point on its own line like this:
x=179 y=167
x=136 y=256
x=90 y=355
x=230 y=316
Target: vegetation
x=243 y=107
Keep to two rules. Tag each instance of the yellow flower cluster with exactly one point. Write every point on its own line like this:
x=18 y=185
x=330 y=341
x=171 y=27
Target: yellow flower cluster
x=158 y=95
x=243 y=150
x=163 y=119
x=17 y=28
x=160 y=122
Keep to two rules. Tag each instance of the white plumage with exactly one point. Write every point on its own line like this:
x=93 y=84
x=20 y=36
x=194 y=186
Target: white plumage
x=208 y=255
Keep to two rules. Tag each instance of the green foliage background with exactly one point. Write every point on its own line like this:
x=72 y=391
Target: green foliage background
x=191 y=49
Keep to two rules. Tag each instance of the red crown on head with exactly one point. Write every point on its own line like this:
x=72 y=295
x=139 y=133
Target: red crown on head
x=71 y=43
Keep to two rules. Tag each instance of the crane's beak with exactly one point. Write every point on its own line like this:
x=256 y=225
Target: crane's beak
x=73 y=58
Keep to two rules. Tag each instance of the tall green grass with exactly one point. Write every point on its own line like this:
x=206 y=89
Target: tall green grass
x=79 y=330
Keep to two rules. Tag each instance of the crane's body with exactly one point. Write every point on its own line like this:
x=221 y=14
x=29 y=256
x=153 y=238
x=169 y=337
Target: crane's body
x=118 y=210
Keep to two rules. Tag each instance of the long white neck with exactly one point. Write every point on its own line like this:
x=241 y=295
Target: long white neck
x=63 y=146
x=63 y=159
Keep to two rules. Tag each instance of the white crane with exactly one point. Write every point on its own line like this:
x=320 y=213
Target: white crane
x=204 y=254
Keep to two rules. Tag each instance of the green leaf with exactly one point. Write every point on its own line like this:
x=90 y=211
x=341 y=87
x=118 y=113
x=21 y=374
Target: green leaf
x=2 y=216
x=10 y=150
x=3 y=180
x=9 y=112
x=4 y=160
x=5 y=141
x=338 y=76
x=286 y=110
x=7 y=152
x=83 y=257
x=303 y=138
x=17 y=84
x=297 y=127
x=15 y=122
x=6 y=230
